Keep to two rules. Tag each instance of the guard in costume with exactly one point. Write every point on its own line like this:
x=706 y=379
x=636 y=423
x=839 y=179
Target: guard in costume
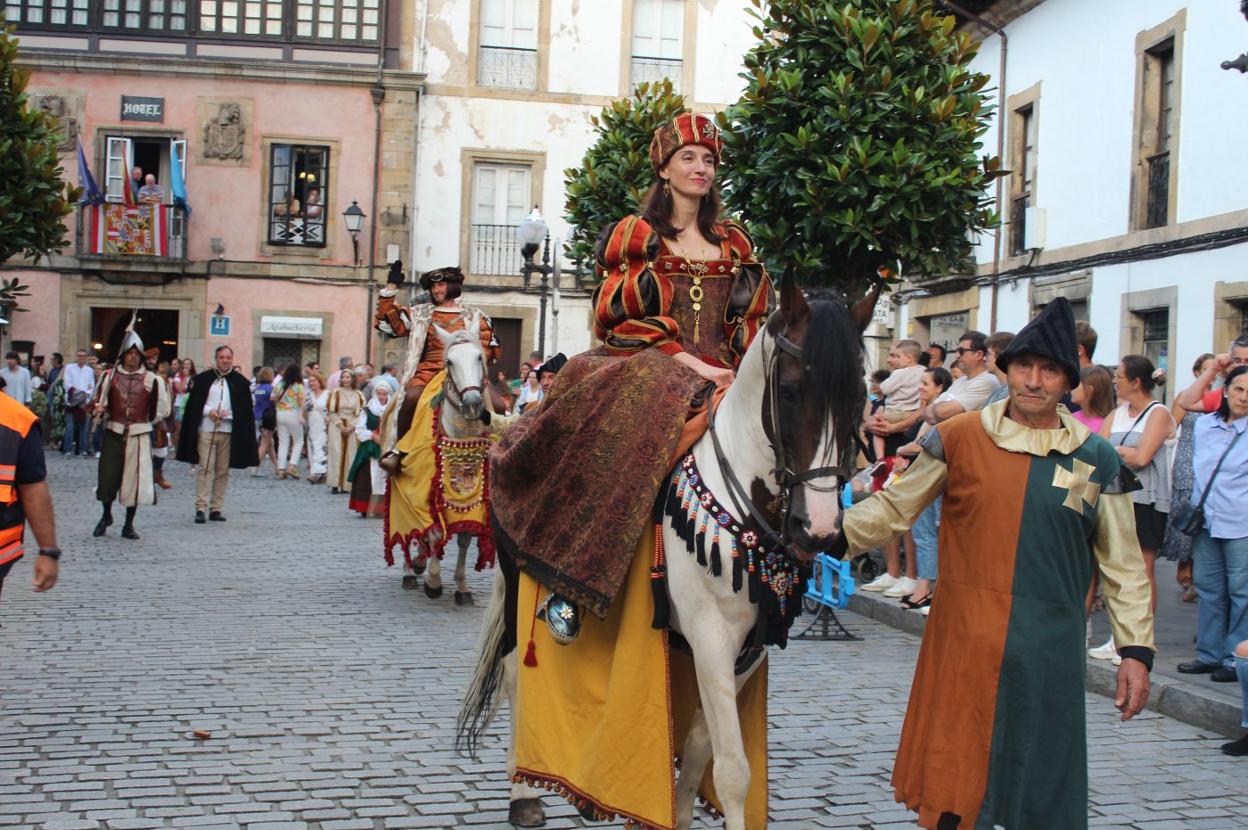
x=995 y=733
x=130 y=400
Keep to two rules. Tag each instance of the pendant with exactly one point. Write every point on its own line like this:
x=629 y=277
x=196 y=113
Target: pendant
x=696 y=294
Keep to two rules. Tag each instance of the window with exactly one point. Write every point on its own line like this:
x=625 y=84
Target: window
x=1157 y=123
x=1157 y=339
x=241 y=17
x=145 y=15
x=508 y=52
x=48 y=12
x=298 y=193
x=1023 y=181
x=1159 y=76
x=501 y=200
x=658 y=29
x=341 y=20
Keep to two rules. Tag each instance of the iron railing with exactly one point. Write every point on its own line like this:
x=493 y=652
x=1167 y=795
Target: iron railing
x=649 y=70
x=1157 y=210
x=494 y=251
x=1018 y=224
x=506 y=66
x=98 y=234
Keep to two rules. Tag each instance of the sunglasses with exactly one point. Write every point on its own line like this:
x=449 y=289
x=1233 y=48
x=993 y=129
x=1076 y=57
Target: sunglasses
x=961 y=351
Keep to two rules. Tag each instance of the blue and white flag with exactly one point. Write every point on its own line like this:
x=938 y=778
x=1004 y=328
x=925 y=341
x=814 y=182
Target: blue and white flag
x=177 y=180
x=91 y=194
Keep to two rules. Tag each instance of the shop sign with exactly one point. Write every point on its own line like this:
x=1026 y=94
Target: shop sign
x=137 y=108
x=308 y=328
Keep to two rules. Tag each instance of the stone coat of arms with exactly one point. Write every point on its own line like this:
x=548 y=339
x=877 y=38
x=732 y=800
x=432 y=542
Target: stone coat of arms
x=224 y=134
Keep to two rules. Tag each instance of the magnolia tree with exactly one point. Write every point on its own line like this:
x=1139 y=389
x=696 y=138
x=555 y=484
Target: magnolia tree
x=856 y=144
x=33 y=196
x=615 y=173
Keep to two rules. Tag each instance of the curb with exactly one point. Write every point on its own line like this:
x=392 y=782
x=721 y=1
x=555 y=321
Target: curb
x=1172 y=698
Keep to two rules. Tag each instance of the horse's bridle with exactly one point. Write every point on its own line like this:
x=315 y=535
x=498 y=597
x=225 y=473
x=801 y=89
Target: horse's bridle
x=449 y=386
x=786 y=479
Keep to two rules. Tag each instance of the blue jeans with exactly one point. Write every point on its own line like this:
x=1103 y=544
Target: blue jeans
x=75 y=431
x=1241 y=669
x=1220 y=574
x=925 y=532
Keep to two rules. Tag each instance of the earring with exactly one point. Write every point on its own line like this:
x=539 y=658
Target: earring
x=667 y=188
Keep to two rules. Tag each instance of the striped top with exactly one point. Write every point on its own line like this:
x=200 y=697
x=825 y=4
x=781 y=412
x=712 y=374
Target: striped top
x=1126 y=431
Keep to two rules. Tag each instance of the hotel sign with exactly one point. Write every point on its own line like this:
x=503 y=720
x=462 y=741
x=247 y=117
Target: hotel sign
x=135 y=108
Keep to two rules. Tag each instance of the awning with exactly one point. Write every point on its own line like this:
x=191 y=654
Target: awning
x=298 y=328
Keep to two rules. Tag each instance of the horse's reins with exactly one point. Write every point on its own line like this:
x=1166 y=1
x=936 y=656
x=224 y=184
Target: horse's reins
x=785 y=478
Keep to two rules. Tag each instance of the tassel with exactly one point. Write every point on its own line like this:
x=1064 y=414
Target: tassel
x=716 y=565
x=702 y=549
x=658 y=583
x=530 y=654
x=736 y=567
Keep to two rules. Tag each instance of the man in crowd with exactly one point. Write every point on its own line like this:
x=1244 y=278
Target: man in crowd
x=58 y=366
x=995 y=732
x=25 y=496
x=16 y=378
x=79 y=390
x=972 y=390
x=998 y=342
x=1085 y=337
x=218 y=432
x=344 y=364
x=129 y=400
x=136 y=180
x=151 y=193
x=1202 y=396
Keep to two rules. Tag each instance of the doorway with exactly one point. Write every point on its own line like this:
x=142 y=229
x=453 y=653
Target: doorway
x=507 y=331
x=156 y=327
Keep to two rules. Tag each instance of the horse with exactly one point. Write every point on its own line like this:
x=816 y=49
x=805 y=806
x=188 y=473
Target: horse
x=460 y=416
x=784 y=428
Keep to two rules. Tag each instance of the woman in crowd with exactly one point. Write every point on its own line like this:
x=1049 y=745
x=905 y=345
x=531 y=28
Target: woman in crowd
x=1220 y=549
x=368 y=480
x=1095 y=397
x=318 y=434
x=502 y=390
x=1138 y=429
x=181 y=389
x=342 y=409
x=1178 y=546
x=289 y=400
x=530 y=389
x=266 y=418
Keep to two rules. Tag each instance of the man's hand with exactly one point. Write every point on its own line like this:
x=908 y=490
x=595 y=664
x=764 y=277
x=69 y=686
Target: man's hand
x=1133 y=687
x=47 y=570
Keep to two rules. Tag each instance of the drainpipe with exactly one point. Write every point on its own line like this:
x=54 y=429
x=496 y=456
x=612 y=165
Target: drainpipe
x=1001 y=121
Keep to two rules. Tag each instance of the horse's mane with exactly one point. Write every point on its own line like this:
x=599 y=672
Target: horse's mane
x=833 y=355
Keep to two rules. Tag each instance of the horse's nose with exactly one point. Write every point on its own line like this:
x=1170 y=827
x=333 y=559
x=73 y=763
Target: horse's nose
x=472 y=404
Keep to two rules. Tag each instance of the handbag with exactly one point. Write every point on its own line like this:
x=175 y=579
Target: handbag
x=1189 y=518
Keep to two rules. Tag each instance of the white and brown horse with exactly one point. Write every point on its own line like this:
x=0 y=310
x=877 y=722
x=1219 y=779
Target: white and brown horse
x=778 y=448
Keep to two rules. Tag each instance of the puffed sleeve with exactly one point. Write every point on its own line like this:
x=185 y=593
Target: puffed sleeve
x=892 y=511
x=632 y=304
x=753 y=297
x=1124 y=582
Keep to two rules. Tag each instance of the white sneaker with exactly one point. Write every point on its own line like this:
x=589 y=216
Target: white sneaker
x=903 y=587
x=881 y=583
x=1106 y=652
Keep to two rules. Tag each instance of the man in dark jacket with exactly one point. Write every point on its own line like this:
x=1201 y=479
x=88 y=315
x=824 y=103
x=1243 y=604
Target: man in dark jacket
x=218 y=432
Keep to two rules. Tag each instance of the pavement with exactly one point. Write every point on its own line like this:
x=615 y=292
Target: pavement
x=330 y=693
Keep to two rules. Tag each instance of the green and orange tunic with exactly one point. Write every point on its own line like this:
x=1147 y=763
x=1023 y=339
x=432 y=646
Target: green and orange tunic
x=995 y=730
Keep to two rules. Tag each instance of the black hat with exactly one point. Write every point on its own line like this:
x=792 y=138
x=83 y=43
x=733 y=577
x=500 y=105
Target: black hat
x=552 y=366
x=450 y=274
x=1051 y=334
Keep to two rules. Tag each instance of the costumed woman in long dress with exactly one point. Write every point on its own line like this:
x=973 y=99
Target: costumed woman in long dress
x=368 y=480
x=342 y=410
x=681 y=298
x=318 y=435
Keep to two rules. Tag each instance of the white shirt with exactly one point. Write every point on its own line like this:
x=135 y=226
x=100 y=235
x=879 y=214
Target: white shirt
x=218 y=398
x=78 y=377
x=17 y=383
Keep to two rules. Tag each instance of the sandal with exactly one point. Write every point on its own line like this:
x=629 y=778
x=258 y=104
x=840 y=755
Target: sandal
x=914 y=605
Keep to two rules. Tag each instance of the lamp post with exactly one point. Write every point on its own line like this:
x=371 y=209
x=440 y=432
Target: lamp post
x=533 y=233
x=353 y=217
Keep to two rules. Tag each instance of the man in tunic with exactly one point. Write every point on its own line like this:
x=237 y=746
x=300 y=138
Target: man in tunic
x=995 y=732
x=130 y=400
x=424 y=353
x=218 y=432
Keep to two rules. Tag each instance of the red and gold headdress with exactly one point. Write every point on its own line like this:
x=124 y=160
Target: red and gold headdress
x=689 y=128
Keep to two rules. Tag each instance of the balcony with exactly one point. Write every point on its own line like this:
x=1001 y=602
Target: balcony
x=494 y=251
x=650 y=70
x=507 y=67
x=1157 y=209
x=116 y=231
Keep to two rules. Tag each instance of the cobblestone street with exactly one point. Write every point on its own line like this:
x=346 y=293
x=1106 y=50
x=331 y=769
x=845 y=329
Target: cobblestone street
x=331 y=694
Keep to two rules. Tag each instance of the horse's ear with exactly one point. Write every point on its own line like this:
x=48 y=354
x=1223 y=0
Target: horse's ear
x=793 y=305
x=442 y=333
x=863 y=310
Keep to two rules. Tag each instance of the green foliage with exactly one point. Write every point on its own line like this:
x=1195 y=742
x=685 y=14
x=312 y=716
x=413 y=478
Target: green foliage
x=615 y=173
x=10 y=292
x=33 y=196
x=855 y=144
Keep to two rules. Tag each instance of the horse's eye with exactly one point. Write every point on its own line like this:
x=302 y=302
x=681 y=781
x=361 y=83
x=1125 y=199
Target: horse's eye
x=789 y=393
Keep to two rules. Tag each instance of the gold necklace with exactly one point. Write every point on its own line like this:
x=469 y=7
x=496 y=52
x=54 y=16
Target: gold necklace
x=696 y=270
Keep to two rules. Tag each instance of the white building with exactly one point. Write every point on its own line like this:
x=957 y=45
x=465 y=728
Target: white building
x=511 y=85
x=1129 y=193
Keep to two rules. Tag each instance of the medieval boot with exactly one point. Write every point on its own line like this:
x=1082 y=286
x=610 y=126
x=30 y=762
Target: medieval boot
x=105 y=521
x=158 y=474
x=127 y=529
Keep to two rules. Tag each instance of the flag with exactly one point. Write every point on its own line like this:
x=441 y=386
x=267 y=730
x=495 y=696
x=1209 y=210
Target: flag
x=177 y=181
x=91 y=194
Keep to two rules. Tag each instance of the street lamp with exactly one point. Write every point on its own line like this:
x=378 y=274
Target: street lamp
x=531 y=234
x=353 y=217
